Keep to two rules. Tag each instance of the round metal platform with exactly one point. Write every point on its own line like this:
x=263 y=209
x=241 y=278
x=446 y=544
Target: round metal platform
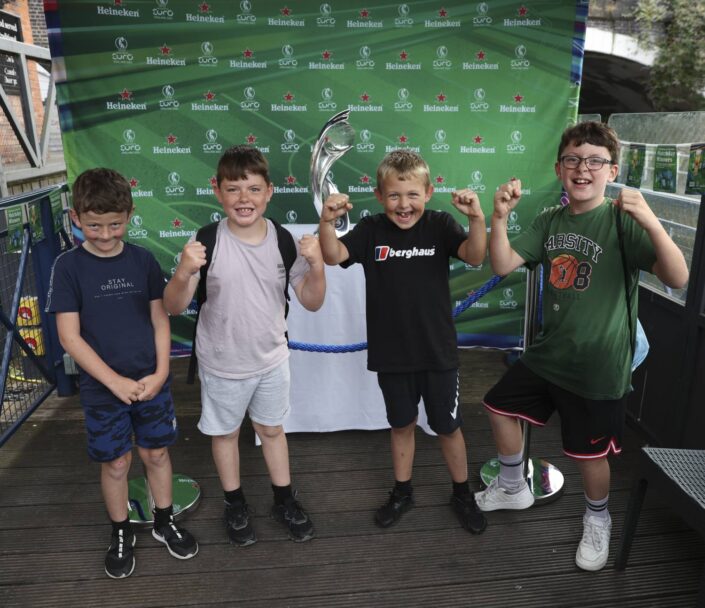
x=544 y=479
x=186 y=496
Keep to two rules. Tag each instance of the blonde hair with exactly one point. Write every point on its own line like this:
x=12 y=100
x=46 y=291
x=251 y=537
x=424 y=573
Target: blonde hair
x=406 y=165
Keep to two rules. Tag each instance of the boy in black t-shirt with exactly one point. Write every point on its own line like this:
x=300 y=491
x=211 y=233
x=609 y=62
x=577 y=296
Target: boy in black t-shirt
x=107 y=296
x=411 y=336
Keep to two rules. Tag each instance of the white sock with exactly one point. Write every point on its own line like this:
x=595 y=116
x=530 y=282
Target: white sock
x=511 y=472
x=597 y=508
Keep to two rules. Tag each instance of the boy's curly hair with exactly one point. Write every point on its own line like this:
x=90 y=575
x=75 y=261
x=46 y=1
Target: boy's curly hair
x=591 y=132
x=406 y=164
x=101 y=190
x=237 y=161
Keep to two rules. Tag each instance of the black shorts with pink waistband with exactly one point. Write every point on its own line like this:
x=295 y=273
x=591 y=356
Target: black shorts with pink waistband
x=589 y=428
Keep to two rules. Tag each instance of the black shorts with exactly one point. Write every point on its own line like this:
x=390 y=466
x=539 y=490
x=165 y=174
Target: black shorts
x=589 y=428
x=441 y=397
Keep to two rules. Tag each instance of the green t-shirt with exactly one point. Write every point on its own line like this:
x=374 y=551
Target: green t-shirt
x=583 y=345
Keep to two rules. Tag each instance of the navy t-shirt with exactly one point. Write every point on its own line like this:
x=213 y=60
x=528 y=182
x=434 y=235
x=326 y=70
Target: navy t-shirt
x=112 y=296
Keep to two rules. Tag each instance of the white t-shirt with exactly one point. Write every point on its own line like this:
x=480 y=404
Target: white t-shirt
x=241 y=326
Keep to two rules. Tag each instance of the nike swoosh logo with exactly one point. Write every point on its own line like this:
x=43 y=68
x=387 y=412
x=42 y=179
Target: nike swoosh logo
x=454 y=413
x=594 y=441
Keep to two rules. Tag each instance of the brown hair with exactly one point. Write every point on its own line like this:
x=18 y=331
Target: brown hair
x=238 y=161
x=406 y=164
x=101 y=190
x=591 y=132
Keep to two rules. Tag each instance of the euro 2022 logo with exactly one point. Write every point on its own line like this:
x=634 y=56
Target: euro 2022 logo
x=365 y=144
x=516 y=147
x=289 y=146
x=440 y=144
x=249 y=103
x=327 y=104
x=508 y=300
x=207 y=59
x=403 y=105
x=168 y=101
x=325 y=19
x=174 y=188
x=121 y=54
x=288 y=60
x=212 y=146
x=478 y=103
x=130 y=146
x=477 y=185
x=365 y=62
x=441 y=62
x=403 y=20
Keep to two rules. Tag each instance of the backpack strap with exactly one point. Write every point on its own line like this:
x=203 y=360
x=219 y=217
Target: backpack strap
x=622 y=253
x=287 y=249
x=206 y=236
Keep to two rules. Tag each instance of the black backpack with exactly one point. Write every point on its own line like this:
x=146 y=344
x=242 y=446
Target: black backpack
x=207 y=236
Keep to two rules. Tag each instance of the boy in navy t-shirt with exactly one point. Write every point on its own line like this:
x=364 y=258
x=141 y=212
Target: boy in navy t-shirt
x=107 y=296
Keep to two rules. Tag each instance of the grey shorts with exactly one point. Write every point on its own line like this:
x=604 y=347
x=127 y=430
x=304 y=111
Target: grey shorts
x=224 y=401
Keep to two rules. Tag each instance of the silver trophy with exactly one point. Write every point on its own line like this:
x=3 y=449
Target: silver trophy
x=334 y=140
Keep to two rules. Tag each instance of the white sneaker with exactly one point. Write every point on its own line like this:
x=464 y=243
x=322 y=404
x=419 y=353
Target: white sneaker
x=594 y=548
x=494 y=498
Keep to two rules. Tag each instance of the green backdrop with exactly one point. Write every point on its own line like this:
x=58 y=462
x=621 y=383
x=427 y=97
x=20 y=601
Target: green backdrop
x=157 y=90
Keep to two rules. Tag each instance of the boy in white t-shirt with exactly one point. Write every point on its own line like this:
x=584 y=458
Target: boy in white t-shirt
x=241 y=342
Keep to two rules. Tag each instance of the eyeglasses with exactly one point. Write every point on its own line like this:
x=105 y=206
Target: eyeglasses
x=593 y=163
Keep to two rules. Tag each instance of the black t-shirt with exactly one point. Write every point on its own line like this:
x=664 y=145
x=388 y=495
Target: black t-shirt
x=112 y=297
x=409 y=315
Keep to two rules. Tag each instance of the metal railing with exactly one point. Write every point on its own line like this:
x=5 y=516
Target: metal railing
x=28 y=367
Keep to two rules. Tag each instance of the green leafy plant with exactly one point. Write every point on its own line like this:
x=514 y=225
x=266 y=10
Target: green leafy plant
x=675 y=29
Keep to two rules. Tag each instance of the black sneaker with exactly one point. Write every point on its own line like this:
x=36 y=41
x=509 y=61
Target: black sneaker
x=178 y=541
x=237 y=523
x=120 y=558
x=469 y=514
x=297 y=521
x=391 y=511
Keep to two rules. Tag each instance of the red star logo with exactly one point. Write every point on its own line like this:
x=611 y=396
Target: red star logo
x=247 y=53
x=443 y=13
x=210 y=96
x=480 y=55
x=365 y=97
x=440 y=179
x=365 y=179
x=204 y=7
x=289 y=96
x=251 y=139
x=125 y=94
x=522 y=11
x=364 y=13
x=213 y=181
x=403 y=139
x=477 y=139
x=518 y=98
x=441 y=97
x=286 y=11
x=403 y=55
x=326 y=55
x=171 y=139
x=176 y=223
x=134 y=182
x=165 y=49
x=118 y=2
x=290 y=179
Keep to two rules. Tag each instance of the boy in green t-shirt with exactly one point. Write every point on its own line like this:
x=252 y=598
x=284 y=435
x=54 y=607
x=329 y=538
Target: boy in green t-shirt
x=580 y=362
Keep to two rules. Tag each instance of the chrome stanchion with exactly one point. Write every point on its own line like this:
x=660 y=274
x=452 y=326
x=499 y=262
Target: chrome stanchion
x=544 y=479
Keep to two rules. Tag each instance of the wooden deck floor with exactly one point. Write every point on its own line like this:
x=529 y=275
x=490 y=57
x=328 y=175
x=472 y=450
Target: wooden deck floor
x=53 y=529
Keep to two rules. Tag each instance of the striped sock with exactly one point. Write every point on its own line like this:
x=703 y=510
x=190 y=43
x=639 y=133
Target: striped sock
x=597 y=508
x=511 y=472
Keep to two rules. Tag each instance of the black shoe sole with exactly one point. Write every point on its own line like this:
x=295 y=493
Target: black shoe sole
x=239 y=543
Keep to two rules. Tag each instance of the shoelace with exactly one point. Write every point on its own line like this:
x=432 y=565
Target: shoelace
x=121 y=543
x=174 y=529
x=593 y=532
